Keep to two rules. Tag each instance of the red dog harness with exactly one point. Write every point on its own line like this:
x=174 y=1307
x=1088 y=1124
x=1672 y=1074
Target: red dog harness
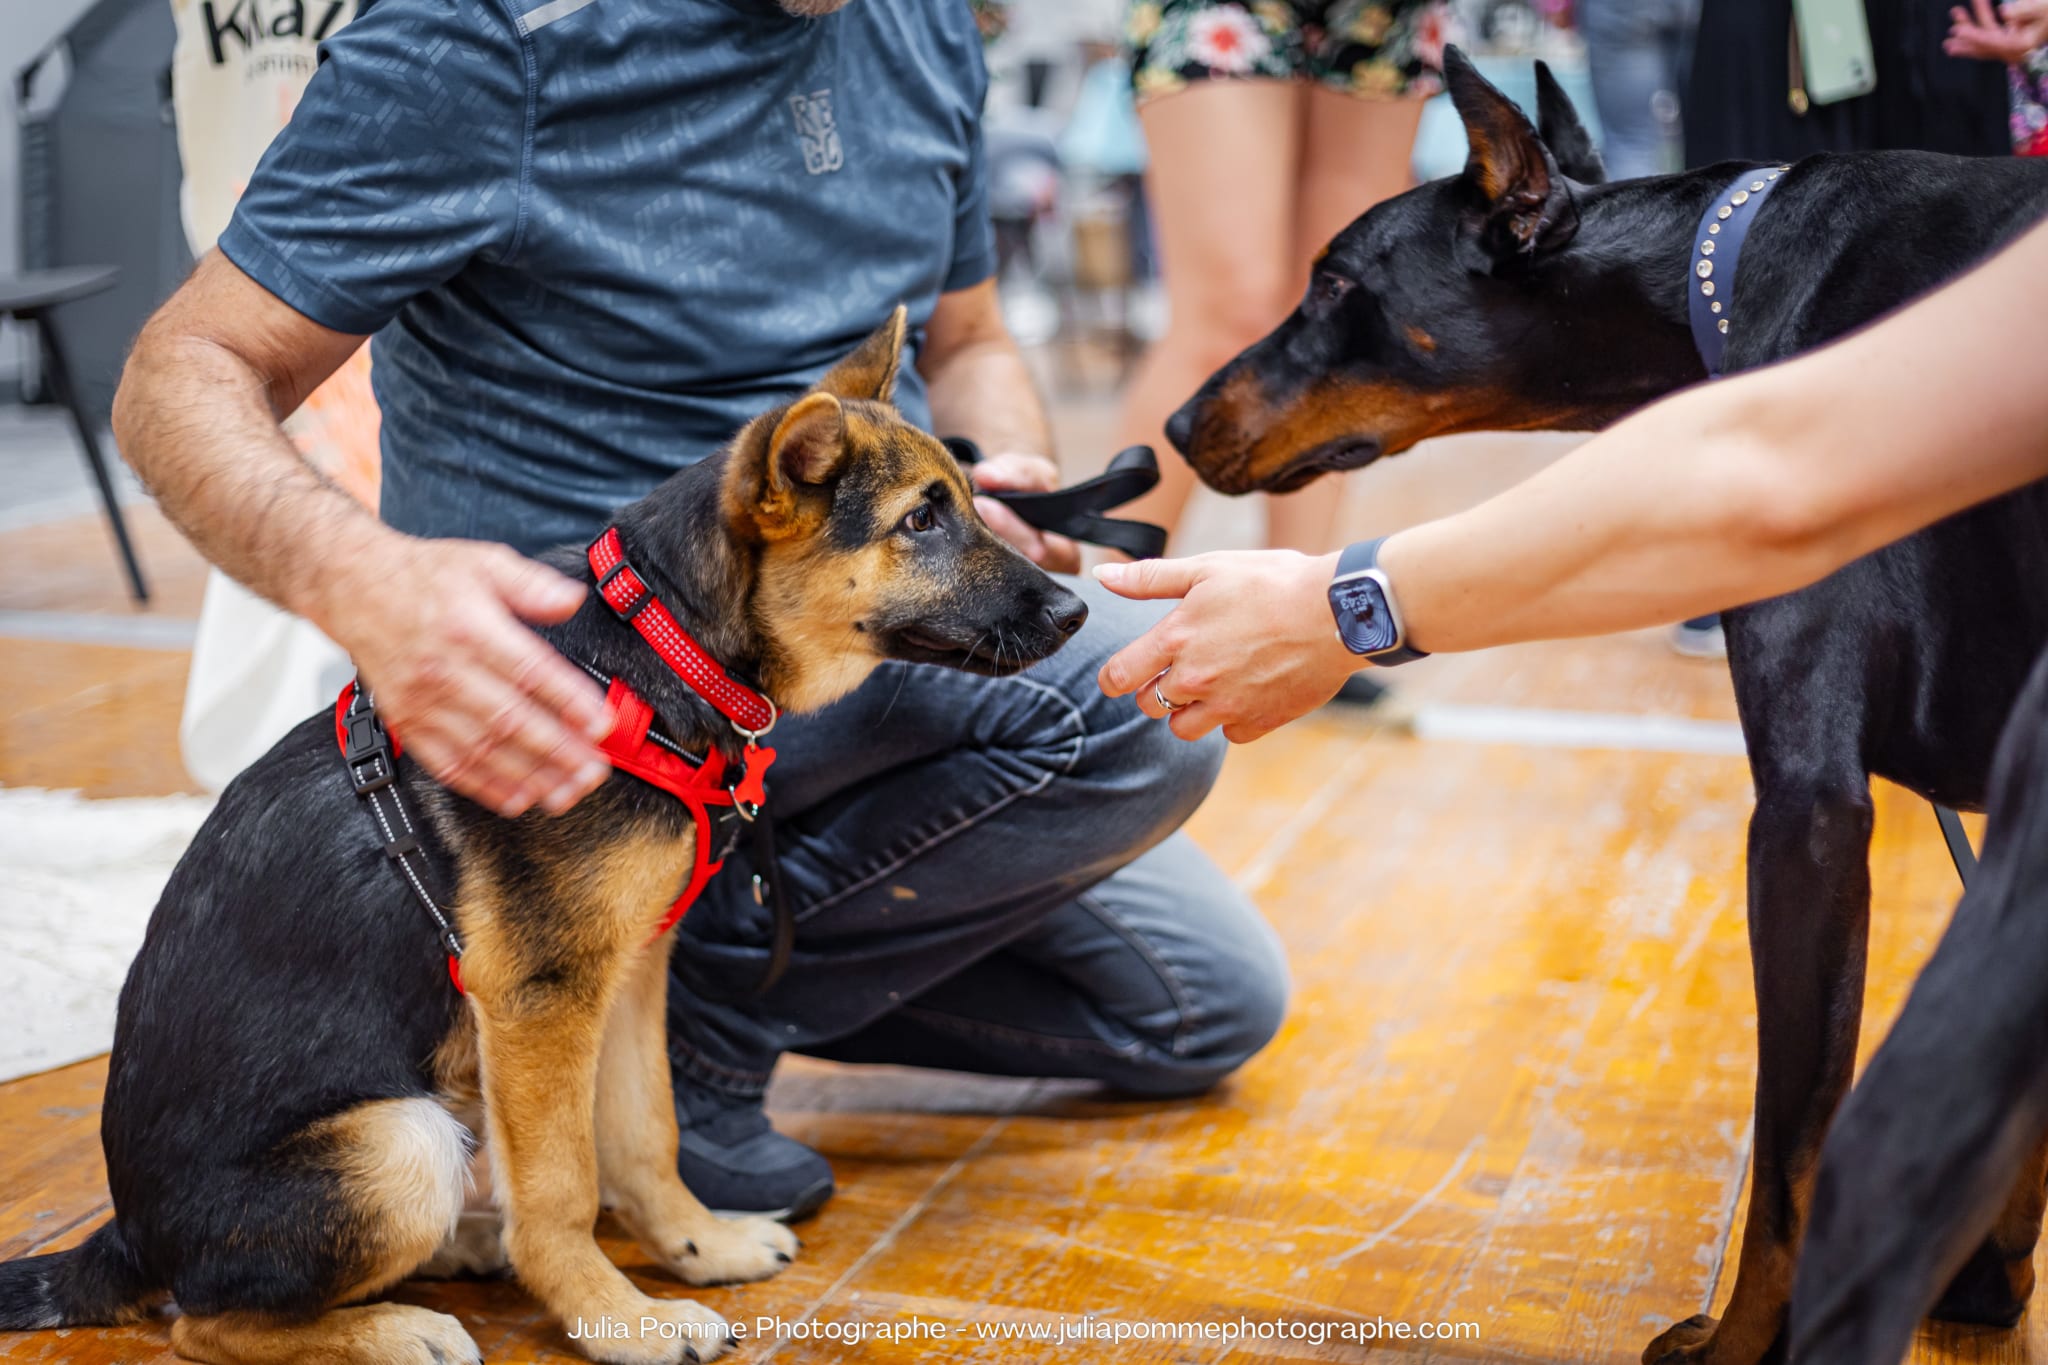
x=370 y=753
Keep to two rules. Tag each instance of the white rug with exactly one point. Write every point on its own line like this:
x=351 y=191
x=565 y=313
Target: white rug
x=78 y=880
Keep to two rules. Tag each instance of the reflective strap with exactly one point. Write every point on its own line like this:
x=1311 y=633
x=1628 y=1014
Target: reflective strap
x=629 y=597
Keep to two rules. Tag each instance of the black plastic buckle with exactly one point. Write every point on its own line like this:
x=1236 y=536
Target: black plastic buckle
x=367 y=755
x=641 y=601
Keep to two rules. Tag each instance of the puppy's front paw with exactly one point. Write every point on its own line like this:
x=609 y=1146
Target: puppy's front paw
x=737 y=1249
x=656 y=1332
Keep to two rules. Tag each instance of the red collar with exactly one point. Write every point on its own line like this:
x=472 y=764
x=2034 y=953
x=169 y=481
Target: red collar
x=625 y=591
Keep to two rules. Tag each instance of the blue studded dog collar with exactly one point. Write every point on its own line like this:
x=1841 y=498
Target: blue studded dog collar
x=1716 y=251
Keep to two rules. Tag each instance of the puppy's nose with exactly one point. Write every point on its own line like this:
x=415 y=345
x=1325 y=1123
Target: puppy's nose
x=1065 y=614
x=1180 y=428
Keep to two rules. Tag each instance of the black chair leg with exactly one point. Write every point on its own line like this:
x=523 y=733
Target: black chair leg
x=58 y=375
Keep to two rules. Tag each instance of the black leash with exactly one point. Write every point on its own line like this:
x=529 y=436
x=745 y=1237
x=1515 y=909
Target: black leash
x=769 y=891
x=1076 y=512
x=1959 y=850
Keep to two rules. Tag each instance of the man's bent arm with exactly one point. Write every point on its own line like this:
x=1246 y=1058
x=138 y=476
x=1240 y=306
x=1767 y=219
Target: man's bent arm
x=197 y=414
x=980 y=388
x=484 y=704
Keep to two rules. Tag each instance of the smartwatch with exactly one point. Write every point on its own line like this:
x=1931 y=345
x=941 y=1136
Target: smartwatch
x=1362 y=600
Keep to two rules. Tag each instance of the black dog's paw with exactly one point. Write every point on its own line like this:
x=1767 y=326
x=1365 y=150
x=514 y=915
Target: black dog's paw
x=1681 y=1342
x=1991 y=1290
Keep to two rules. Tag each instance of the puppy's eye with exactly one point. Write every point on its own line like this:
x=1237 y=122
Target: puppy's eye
x=921 y=519
x=1328 y=288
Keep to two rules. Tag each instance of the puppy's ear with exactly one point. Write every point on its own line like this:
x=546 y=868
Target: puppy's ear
x=1523 y=205
x=808 y=445
x=773 y=464
x=1557 y=123
x=870 y=372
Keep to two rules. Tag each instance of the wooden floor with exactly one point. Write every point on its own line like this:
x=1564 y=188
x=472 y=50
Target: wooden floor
x=1514 y=1089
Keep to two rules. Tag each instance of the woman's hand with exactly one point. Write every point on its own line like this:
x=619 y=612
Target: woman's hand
x=2007 y=36
x=1251 y=647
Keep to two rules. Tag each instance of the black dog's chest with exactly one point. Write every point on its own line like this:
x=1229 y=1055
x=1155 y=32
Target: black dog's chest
x=1911 y=657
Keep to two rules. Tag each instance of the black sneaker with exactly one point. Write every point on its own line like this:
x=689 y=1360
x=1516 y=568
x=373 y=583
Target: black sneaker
x=1365 y=695
x=734 y=1160
x=1361 y=689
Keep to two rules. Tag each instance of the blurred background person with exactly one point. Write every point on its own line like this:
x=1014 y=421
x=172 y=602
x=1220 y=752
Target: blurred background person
x=1749 y=97
x=1270 y=126
x=2015 y=35
x=1638 y=52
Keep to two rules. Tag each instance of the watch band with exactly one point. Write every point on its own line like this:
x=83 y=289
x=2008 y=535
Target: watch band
x=1357 y=559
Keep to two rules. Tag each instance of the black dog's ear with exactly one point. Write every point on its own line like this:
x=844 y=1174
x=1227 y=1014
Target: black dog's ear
x=1557 y=123
x=870 y=372
x=1526 y=207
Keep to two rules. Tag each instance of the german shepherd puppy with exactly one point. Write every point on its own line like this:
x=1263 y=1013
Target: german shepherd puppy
x=1526 y=293
x=296 y=1089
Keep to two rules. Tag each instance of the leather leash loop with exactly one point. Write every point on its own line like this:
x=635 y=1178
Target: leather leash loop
x=1076 y=511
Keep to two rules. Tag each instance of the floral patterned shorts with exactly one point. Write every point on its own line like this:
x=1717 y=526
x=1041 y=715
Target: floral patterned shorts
x=1380 y=48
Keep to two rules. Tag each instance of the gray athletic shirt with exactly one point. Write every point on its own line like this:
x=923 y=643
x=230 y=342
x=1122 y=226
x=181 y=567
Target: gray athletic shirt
x=594 y=237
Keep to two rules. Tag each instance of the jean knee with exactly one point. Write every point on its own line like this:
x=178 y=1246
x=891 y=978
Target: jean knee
x=1226 y=1019
x=1175 y=774
x=1245 y=1010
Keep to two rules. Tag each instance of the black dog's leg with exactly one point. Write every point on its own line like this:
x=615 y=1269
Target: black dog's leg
x=1809 y=916
x=1949 y=1119
x=1992 y=1288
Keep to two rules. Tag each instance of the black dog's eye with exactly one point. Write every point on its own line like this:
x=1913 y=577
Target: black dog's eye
x=1328 y=288
x=921 y=519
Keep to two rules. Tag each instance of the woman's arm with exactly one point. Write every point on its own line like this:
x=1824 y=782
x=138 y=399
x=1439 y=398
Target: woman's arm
x=1726 y=493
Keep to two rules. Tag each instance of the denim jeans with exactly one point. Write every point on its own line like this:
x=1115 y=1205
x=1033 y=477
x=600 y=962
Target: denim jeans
x=1638 y=51
x=987 y=876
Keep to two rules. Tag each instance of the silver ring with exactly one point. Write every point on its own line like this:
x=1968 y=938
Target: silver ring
x=1169 y=706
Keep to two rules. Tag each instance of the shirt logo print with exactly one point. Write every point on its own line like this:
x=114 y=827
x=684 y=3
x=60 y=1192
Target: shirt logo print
x=817 y=132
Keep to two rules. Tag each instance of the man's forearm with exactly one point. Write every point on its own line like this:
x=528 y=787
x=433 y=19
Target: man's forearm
x=1753 y=486
x=198 y=412
x=195 y=421
x=983 y=391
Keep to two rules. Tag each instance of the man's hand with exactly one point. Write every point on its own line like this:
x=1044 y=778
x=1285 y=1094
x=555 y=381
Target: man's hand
x=1251 y=647
x=1016 y=472
x=485 y=705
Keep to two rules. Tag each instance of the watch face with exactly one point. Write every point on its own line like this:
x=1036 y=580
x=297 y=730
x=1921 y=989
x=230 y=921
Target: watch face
x=1363 y=621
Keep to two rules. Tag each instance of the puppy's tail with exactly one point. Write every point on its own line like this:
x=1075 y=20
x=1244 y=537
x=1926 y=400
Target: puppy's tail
x=98 y=1284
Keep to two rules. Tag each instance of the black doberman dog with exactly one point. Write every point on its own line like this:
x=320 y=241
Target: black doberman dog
x=1525 y=293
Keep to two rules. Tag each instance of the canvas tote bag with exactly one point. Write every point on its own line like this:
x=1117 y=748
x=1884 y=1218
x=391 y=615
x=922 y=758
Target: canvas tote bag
x=237 y=73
